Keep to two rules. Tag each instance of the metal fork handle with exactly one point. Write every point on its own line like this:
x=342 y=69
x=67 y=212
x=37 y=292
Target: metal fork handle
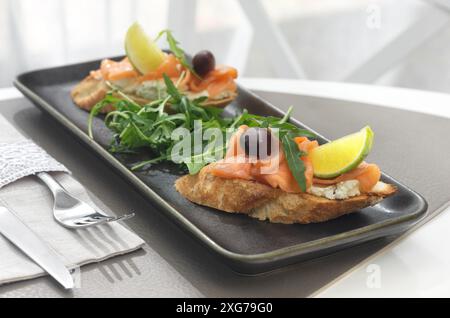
x=54 y=186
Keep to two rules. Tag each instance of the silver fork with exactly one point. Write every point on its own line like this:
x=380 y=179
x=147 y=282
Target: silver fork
x=73 y=213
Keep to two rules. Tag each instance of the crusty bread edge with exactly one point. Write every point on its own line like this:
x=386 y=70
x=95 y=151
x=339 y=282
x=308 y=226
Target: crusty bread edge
x=265 y=203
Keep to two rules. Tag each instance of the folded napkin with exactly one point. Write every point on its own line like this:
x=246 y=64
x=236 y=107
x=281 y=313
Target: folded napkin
x=23 y=194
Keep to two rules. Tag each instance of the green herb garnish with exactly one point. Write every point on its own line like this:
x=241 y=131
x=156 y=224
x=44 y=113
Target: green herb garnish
x=293 y=155
x=151 y=127
x=176 y=50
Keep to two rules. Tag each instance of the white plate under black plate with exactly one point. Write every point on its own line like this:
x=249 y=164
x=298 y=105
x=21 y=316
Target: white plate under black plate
x=247 y=245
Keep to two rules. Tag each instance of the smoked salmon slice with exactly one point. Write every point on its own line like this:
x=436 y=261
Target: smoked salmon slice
x=216 y=82
x=367 y=174
x=171 y=67
x=237 y=166
x=113 y=71
x=219 y=80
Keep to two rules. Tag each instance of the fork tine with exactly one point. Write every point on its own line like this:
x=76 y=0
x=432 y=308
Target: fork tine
x=123 y=217
x=100 y=219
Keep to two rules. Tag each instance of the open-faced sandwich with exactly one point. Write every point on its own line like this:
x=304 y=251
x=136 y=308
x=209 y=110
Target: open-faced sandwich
x=140 y=74
x=265 y=167
x=308 y=183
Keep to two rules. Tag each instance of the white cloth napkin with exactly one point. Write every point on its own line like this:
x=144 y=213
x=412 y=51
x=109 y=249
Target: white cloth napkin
x=32 y=202
x=24 y=158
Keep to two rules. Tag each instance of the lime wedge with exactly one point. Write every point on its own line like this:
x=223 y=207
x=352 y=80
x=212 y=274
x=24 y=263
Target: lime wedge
x=342 y=155
x=141 y=50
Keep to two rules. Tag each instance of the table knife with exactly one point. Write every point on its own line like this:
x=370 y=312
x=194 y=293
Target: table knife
x=12 y=228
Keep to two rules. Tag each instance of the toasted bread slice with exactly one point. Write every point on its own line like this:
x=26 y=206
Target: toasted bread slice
x=266 y=203
x=91 y=90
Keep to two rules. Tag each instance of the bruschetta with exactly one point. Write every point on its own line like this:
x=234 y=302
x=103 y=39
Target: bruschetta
x=238 y=186
x=140 y=75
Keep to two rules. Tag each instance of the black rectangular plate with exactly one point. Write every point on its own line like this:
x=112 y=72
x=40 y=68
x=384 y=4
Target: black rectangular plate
x=247 y=245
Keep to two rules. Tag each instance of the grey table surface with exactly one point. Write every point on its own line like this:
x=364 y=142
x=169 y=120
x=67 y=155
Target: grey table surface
x=172 y=264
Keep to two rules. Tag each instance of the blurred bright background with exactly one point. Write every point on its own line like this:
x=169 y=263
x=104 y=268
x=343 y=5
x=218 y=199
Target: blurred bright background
x=401 y=43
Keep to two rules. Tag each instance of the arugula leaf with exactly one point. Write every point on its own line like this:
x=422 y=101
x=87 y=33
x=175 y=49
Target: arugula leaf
x=195 y=167
x=176 y=50
x=142 y=164
x=287 y=128
x=293 y=155
x=197 y=162
x=137 y=127
x=200 y=100
x=239 y=119
x=287 y=115
x=171 y=89
x=94 y=112
x=185 y=106
x=133 y=137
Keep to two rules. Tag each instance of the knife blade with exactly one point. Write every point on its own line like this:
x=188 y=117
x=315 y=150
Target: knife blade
x=12 y=228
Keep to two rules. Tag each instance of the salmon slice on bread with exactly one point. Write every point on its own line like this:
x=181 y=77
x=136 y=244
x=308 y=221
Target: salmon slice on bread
x=263 y=202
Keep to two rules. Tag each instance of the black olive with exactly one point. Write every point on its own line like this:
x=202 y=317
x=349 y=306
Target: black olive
x=204 y=62
x=257 y=142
